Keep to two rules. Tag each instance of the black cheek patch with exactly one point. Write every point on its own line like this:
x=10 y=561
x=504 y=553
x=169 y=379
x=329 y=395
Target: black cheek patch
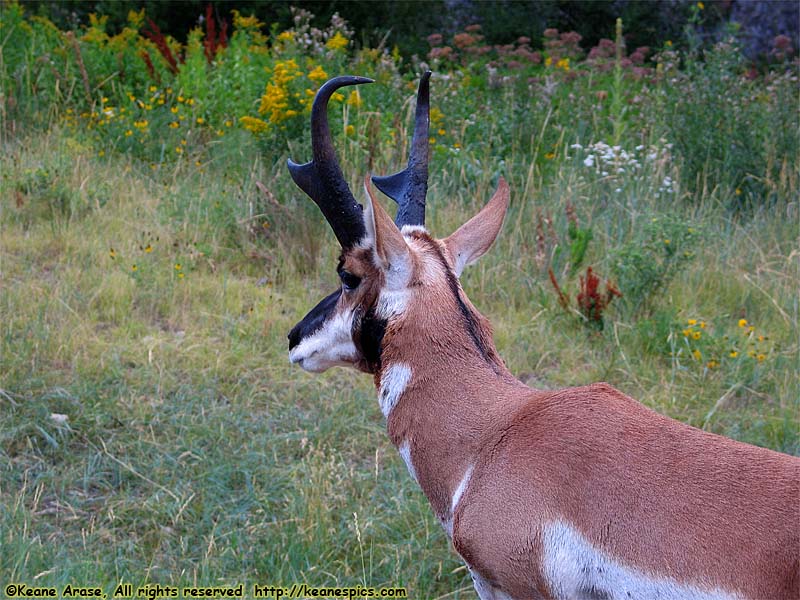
x=314 y=320
x=368 y=332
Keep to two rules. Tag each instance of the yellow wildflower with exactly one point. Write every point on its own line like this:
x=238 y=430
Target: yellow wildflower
x=436 y=116
x=696 y=335
x=274 y=101
x=354 y=99
x=148 y=248
x=251 y=22
x=742 y=322
x=178 y=150
x=697 y=354
x=136 y=18
x=200 y=120
x=550 y=155
x=350 y=130
x=174 y=124
x=548 y=61
x=152 y=89
x=337 y=42
x=563 y=63
x=761 y=357
x=442 y=132
x=174 y=110
x=700 y=5
x=285 y=71
x=692 y=321
x=128 y=133
x=318 y=74
x=733 y=354
x=286 y=36
x=252 y=124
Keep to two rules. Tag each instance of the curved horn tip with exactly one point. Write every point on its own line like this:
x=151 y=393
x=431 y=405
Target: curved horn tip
x=343 y=80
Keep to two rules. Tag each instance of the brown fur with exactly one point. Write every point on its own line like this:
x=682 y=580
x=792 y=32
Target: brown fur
x=657 y=495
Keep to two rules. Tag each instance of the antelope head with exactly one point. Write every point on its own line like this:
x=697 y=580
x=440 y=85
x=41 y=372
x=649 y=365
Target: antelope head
x=392 y=272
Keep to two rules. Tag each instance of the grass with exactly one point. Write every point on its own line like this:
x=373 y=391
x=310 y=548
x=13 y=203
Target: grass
x=189 y=452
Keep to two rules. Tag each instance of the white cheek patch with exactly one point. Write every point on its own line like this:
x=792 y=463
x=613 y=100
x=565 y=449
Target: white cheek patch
x=392 y=303
x=329 y=346
x=394 y=380
x=573 y=568
x=405 y=453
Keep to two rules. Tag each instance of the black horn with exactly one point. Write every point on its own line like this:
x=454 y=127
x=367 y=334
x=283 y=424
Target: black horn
x=322 y=179
x=409 y=187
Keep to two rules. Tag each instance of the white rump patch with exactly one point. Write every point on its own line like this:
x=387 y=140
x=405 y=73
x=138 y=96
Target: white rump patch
x=329 y=346
x=393 y=383
x=573 y=568
x=405 y=453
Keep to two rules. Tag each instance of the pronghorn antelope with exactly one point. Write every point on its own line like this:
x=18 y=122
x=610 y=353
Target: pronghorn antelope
x=574 y=493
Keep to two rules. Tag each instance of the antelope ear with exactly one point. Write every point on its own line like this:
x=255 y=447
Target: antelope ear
x=471 y=241
x=392 y=255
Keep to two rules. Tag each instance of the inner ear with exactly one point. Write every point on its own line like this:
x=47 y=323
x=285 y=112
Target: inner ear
x=392 y=255
x=474 y=238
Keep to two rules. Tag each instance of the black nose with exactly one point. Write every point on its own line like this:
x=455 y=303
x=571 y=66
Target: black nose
x=294 y=336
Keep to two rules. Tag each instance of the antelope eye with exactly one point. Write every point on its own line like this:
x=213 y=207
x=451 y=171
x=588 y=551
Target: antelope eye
x=349 y=280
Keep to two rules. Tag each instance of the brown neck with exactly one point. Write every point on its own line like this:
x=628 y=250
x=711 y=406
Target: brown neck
x=456 y=393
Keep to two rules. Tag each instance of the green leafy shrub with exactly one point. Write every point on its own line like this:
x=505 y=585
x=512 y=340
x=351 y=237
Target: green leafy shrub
x=646 y=264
